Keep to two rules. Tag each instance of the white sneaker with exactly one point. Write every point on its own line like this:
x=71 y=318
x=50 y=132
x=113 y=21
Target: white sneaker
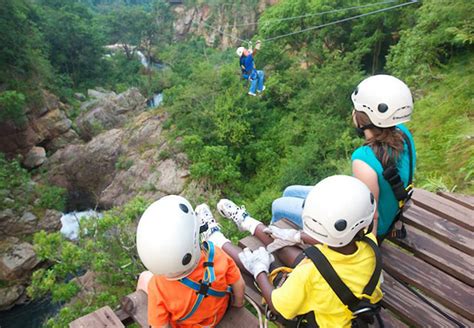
x=239 y=215
x=204 y=214
x=252 y=94
x=263 y=89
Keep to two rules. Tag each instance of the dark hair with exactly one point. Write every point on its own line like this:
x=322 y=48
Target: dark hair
x=387 y=143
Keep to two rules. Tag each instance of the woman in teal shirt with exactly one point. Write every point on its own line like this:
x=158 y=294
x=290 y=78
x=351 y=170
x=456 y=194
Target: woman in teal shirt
x=381 y=104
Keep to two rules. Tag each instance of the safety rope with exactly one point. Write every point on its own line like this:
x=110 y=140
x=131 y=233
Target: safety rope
x=317 y=26
x=276 y=20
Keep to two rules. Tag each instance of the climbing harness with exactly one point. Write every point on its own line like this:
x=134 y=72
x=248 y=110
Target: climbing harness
x=363 y=311
x=203 y=287
x=402 y=194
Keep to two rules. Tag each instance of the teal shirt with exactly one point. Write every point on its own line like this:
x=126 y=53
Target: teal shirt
x=387 y=205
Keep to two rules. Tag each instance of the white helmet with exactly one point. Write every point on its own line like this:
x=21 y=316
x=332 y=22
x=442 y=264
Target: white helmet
x=385 y=99
x=168 y=237
x=336 y=209
x=240 y=51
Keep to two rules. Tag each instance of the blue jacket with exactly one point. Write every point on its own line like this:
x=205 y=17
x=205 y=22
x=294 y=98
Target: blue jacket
x=247 y=66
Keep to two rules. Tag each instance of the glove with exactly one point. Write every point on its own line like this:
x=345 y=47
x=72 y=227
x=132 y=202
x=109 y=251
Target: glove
x=258 y=44
x=257 y=261
x=283 y=237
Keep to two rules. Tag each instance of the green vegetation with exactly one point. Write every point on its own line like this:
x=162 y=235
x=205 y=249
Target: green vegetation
x=17 y=191
x=106 y=246
x=244 y=148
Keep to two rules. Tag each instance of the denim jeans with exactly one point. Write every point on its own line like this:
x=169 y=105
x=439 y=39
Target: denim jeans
x=290 y=205
x=256 y=81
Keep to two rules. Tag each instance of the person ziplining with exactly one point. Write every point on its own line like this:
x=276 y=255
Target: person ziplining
x=249 y=71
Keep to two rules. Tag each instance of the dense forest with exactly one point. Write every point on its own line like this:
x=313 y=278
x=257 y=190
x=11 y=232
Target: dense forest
x=244 y=148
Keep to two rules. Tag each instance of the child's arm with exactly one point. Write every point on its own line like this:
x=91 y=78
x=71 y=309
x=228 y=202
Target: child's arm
x=267 y=288
x=238 y=290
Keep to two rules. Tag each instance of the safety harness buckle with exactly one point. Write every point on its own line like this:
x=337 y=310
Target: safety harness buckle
x=203 y=288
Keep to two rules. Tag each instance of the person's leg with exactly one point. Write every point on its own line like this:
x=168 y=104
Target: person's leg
x=143 y=281
x=261 y=80
x=245 y=222
x=297 y=191
x=289 y=208
x=253 y=84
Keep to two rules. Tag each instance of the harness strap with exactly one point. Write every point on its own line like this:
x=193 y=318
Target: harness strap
x=203 y=288
x=335 y=282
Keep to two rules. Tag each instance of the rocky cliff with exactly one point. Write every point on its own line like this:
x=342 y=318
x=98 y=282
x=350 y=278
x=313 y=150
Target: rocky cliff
x=233 y=19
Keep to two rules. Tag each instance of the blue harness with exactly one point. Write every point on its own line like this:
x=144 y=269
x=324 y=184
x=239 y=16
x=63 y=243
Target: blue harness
x=203 y=287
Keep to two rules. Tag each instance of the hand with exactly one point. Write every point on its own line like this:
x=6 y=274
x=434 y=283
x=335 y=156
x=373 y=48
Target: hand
x=258 y=44
x=257 y=261
x=283 y=237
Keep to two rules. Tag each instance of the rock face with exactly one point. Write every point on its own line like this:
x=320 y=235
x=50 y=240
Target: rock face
x=16 y=259
x=108 y=110
x=232 y=19
x=45 y=123
x=9 y=296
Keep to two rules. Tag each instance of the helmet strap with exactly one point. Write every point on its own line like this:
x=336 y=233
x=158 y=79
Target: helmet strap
x=360 y=129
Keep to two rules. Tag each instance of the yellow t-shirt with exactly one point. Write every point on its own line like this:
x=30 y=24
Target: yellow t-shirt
x=306 y=290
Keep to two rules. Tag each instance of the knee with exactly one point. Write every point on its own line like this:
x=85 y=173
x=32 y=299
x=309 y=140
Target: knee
x=290 y=190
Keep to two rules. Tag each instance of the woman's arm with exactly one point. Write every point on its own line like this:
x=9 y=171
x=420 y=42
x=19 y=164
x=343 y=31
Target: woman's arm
x=238 y=290
x=367 y=175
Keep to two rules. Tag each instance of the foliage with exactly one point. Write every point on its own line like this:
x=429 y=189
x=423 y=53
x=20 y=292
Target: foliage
x=442 y=125
x=442 y=29
x=106 y=246
x=12 y=105
x=17 y=191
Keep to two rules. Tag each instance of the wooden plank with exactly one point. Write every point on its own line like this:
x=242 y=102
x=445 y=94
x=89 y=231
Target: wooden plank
x=401 y=301
x=238 y=318
x=136 y=305
x=390 y=320
x=445 y=208
x=443 y=288
x=449 y=259
x=464 y=200
x=102 y=318
x=440 y=228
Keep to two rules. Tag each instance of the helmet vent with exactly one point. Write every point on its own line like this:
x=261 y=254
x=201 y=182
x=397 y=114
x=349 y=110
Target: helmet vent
x=184 y=208
x=372 y=198
x=340 y=225
x=186 y=259
x=382 y=108
x=356 y=91
x=316 y=221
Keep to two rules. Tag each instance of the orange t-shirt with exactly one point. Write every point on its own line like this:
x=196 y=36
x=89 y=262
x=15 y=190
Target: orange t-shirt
x=170 y=300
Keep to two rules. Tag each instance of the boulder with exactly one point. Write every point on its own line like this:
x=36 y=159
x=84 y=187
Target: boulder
x=15 y=225
x=16 y=259
x=9 y=296
x=108 y=111
x=100 y=94
x=79 y=96
x=51 y=221
x=70 y=137
x=34 y=158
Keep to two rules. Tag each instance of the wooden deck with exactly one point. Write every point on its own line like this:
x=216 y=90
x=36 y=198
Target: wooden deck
x=435 y=263
x=428 y=277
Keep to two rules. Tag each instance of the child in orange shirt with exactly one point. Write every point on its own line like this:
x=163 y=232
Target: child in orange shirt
x=189 y=284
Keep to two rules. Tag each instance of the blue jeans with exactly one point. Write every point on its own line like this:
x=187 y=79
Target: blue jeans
x=256 y=81
x=290 y=206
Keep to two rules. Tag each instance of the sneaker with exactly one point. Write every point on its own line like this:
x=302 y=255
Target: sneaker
x=204 y=214
x=260 y=91
x=252 y=94
x=229 y=210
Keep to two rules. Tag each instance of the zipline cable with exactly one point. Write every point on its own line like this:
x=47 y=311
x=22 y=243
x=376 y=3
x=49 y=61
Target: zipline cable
x=223 y=33
x=317 y=26
x=311 y=15
x=340 y=21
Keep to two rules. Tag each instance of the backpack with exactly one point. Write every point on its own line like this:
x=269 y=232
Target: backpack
x=363 y=311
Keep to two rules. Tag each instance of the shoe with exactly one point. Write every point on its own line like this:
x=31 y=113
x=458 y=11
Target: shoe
x=204 y=214
x=263 y=89
x=229 y=210
x=252 y=94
